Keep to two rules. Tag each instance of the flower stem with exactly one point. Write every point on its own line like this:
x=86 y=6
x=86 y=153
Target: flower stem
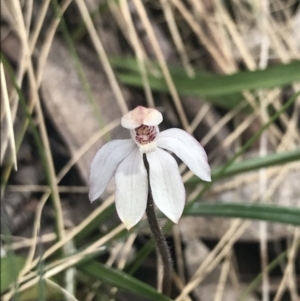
x=160 y=241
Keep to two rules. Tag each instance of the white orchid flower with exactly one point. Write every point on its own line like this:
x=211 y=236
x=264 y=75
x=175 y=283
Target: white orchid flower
x=124 y=160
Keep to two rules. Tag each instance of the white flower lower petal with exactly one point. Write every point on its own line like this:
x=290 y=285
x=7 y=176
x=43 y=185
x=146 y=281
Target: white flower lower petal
x=188 y=149
x=131 y=189
x=105 y=163
x=166 y=184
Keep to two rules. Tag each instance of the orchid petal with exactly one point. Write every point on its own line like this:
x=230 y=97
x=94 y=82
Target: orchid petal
x=131 y=189
x=188 y=149
x=141 y=115
x=152 y=118
x=129 y=121
x=166 y=184
x=105 y=163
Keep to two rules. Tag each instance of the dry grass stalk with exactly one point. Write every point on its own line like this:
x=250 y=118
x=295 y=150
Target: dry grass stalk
x=232 y=32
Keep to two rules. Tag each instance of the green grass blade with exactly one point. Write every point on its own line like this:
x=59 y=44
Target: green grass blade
x=253 y=164
x=78 y=66
x=264 y=212
x=28 y=120
x=121 y=280
x=247 y=145
x=10 y=266
x=256 y=282
x=94 y=224
x=211 y=85
x=34 y=131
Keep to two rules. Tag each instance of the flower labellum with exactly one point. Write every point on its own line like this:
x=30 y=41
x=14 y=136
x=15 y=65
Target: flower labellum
x=124 y=160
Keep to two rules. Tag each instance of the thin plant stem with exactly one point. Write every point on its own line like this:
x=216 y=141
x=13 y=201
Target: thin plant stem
x=160 y=241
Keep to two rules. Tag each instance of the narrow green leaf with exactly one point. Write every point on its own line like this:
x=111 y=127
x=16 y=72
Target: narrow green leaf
x=265 y=212
x=28 y=121
x=33 y=293
x=94 y=224
x=258 y=279
x=10 y=266
x=121 y=280
x=78 y=66
x=211 y=85
x=259 y=162
x=253 y=164
x=248 y=144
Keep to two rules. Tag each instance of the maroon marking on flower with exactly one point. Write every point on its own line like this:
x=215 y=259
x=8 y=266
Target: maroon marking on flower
x=145 y=134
